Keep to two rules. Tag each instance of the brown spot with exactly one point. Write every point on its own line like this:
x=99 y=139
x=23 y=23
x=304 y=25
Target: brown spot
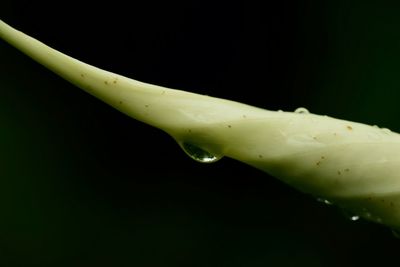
x=115 y=81
x=229 y=126
x=146 y=106
x=349 y=127
x=347 y=170
x=339 y=172
x=322 y=157
x=314 y=137
x=244 y=116
x=335 y=134
x=105 y=82
x=120 y=102
x=82 y=75
x=391 y=204
x=189 y=130
x=318 y=163
x=260 y=156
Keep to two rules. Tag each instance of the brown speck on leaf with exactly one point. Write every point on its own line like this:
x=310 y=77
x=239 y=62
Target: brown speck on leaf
x=82 y=75
x=120 y=102
x=189 y=130
x=349 y=127
x=339 y=172
x=391 y=204
x=105 y=82
x=347 y=170
x=318 y=163
x=322 y=157
x=229 y=126
x=260 y=156
x=146 y=106
x=244 y=116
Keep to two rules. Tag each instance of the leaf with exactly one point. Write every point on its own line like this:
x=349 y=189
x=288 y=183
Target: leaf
x=352 y=165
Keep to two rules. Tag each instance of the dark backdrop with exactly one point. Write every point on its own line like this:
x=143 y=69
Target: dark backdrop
x=84 y=185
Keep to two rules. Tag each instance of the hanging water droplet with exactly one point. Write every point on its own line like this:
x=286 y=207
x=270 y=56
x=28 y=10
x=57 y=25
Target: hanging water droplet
x=199 y=154
x=325 y=201
x=302 y=110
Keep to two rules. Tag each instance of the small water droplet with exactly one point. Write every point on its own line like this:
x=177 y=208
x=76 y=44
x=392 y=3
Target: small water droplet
x=354 y=217
x=302 y=110
x=351 y=216
x=199 y=154
x=325 y=201
x=386 y=130
x=396 y=233
x=366 y=214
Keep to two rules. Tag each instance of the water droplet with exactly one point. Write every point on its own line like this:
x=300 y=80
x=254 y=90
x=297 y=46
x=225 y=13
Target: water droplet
x=365 y=213
x=386 y=130
x=302 y=110
x=325 y=201
x=396 y=233
x=199 y=154
x=354 y=217
x=351 y=216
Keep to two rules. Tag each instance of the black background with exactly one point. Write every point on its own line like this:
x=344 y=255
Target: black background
x=84 y=185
